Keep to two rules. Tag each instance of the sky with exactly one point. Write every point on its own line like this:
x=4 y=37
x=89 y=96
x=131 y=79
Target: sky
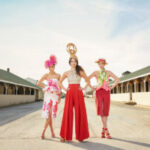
x=32 y=30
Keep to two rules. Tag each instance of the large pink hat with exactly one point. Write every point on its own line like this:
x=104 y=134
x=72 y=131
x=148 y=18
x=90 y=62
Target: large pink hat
x=52 y=61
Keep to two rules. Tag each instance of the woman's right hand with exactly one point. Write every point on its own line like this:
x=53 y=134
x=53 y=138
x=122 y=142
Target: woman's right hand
x=67 y=89
x=44 y=89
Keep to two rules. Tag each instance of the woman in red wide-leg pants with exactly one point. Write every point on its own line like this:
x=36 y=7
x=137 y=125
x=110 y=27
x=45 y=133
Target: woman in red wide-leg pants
x=74 y=102
x=74 y=98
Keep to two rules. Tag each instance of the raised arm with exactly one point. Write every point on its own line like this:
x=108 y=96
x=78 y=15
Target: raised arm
x=115 y=78
x=59 y=77
x=64 y=76
x=83 y=74
x=40 y=82
x=92 y=75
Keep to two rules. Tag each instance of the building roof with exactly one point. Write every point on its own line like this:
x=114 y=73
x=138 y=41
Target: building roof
x=134 y=75
x=31 y=80
x=8 y=77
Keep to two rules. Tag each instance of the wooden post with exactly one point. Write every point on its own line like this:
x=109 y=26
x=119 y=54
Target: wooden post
x=16 y=90
x=117 y=89
x=130 y=90
x=24 y=90
x=6 y=87
x=121 y=87
x=127 y=87
x=30 y=91
x=145 y=80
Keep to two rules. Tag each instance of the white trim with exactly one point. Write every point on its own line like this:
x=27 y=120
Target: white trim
x=18 y=84
x=134 y=77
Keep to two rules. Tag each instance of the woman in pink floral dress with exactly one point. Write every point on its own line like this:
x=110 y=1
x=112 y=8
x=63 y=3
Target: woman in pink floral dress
x=51 y=94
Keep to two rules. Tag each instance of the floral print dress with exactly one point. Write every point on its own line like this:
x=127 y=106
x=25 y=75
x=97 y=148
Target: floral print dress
x=51 y=96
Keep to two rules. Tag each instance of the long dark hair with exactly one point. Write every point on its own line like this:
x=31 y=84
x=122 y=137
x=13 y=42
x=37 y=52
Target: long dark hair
x=78 y=67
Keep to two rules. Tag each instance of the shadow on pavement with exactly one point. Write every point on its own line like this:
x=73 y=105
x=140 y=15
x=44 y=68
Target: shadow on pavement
x=11 y=113
x=88 y=145
x=95 y=146
x=133 y=142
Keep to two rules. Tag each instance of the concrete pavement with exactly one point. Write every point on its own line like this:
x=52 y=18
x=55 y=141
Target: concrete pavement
x=21 y=127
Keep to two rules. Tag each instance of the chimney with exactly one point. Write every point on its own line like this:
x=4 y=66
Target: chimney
x=126 y=73
x=8 y=70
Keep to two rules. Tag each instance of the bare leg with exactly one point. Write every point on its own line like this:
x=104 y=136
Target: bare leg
x=105 y=131
x=104 y=121
x=45 y=127
x=50 y=122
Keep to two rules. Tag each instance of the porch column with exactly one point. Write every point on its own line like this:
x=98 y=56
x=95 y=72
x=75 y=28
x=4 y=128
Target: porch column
x=24 y=90
x=130 y=90
x=144 y=82
x=127 y=87
x=30 y=91
x=16 y=90
x=113 y=91
x=117 y=87
x=6 y=87
x=121 y=87
x=135 y=85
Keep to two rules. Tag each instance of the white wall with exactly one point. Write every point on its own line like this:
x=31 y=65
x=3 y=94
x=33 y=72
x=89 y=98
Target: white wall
x=141 y=98
x=120 y=97
x=7 y=100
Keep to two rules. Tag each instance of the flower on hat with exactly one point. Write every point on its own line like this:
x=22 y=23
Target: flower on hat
x=51 y=61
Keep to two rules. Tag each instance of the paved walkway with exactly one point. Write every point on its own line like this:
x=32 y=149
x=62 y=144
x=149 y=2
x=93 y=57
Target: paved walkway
x=21 y=127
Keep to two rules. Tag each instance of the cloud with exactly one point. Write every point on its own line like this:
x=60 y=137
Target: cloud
x=29 y=37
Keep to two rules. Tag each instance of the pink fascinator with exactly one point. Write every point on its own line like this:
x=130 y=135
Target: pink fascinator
x=52 y=61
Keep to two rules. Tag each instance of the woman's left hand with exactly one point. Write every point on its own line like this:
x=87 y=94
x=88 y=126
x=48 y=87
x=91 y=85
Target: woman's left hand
x=59 y=100
x=80 y=88
x=111 y=86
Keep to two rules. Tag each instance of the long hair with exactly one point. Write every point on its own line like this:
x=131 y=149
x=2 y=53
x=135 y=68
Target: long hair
x=78 y=67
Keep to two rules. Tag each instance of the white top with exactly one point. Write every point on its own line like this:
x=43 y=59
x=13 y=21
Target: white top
x=74 y=78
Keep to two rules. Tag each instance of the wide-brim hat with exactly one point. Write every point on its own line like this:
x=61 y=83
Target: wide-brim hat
x=101 y=60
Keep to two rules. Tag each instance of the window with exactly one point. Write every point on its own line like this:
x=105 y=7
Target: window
x=133 y=88
x=147 y=88
x=139 y=87
x=32 y=92
x=20 y=91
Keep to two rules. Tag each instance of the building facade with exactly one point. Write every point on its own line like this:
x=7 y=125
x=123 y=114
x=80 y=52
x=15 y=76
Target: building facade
x=16 y=90
x=133 y=87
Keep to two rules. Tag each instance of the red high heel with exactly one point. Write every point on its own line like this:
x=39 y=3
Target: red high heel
x=107 y=134
x=62 y=140
x=103 y=133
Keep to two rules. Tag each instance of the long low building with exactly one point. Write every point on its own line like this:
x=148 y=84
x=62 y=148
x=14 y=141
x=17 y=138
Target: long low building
x=133 y=87
x=16 y=90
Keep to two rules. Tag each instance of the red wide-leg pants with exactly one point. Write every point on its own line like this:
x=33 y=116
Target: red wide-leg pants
x=102 y=98
x=74 y=98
